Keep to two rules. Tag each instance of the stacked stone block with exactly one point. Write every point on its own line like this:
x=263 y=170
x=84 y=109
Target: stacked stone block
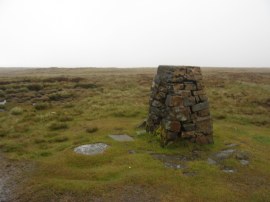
x=179 y=106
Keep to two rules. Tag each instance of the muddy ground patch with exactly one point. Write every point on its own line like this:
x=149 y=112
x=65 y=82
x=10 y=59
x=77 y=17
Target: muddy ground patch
x=13 y=174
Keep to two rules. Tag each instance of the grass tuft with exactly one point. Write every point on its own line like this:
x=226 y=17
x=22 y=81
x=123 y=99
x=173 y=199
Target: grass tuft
x=91 y=129
x=16 y=111
x=41 y=106
x=60 y=96
x=58 y=126
x=35 y=87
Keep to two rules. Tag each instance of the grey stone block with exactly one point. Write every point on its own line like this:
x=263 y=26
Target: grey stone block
x=200 y=106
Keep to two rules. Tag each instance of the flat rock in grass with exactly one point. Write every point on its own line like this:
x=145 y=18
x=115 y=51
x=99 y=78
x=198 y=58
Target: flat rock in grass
x=211 y=161
x=231 y=145
x=223 y=154
x=244 y=162
x=122 y=138
x=241 y=155
x=228 y=170
x=91 y=149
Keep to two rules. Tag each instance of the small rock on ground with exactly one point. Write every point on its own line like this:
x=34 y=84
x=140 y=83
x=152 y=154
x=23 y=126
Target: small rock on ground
x=244 y=162
x=228 y=170
x=211 y=161
x=122 y=138
x=224 y=154
x=242 y=156
x=91 y=149
x=231 y=145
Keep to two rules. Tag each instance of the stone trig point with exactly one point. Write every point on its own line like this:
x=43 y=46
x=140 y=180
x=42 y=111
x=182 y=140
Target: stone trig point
x=178 y=105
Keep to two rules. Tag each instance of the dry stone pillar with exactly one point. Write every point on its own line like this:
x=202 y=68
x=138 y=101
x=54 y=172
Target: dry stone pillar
x=178 y=105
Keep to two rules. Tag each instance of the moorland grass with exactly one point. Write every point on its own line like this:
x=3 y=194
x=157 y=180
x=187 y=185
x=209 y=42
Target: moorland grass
x=240 y=110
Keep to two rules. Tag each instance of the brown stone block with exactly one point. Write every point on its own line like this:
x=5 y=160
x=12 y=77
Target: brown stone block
x=190 y=77
x=204 y=125
x=160 y=96
x=173 y=126
x=180 y=72
x=179 y=113
x=184 y=93
x=207 y=118
x=175 y=88
x=188 y=134
x=204 y=139
x=190 y=86
x=189 y=101
x=198 y=92
x=178 y=86
x=201 y=139
x=171 y=135
x=184 y=114
x=200 y=86
x=204 y=112
x=203 y=98
x=174 y=100
x=178 y=79
x=194 y=116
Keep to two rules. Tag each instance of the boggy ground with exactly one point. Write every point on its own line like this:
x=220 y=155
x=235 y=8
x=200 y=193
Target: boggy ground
x=51 y=111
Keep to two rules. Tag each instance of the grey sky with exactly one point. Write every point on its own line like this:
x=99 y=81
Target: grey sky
x=128 y=33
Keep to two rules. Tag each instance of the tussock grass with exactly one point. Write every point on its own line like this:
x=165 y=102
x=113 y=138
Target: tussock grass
x=91 y=129
x=16 y=111
x=85 y=85
x=65 y=118
x=58 y=126
x=35 y=86
x=60 y=95
x=3 y=132
x=41 y=106
x=2 y=93
x=59 y=139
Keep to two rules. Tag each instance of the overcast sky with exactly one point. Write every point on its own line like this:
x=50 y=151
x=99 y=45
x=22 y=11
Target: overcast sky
x=130 y=33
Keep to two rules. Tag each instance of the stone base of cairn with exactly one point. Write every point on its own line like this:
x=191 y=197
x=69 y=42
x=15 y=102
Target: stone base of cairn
x=179 y=106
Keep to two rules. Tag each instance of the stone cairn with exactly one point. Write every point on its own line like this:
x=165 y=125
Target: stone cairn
x=179 y=106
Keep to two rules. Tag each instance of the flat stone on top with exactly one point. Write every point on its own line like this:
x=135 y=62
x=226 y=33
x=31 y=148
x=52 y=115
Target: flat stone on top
x=91 y=149
x=122 y=138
